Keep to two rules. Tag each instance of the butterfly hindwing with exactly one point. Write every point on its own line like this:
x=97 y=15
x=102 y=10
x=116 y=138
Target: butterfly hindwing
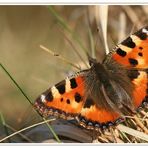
x=94 y=117
x=140 y=82
x=133 y=51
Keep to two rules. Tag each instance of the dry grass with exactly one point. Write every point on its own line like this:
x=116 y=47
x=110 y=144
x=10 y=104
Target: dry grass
x=78 y=25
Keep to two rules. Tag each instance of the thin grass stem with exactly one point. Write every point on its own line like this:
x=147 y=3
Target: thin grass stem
x=56 y=137
x=24 y=129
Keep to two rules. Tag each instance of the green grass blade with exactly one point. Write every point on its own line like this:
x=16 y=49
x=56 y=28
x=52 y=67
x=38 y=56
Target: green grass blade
x=4 y=124
x=20 y=89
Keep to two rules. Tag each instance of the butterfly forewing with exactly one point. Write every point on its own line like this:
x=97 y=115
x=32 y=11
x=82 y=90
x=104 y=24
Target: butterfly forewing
x=133 y=51
x=65 y=98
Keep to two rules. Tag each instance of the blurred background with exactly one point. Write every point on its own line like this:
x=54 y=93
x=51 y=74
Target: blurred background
x=24 y=28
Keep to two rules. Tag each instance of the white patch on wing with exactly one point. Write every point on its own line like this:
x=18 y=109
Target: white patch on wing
x=67 y=86
x=144 y=30
x=43 y=98
x=135 y=39
x=55 y=92
x=125 y=48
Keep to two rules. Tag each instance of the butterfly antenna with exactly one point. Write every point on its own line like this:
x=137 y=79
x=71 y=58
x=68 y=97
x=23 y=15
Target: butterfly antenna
x=59 y=57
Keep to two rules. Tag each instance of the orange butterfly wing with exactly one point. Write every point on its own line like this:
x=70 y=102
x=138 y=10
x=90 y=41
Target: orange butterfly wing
x=140 y=93
x=97 y=118
x=65 y=99
x=133 y=51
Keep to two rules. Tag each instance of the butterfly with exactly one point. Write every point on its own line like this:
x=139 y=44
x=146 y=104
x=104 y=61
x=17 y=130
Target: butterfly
x=102 y=95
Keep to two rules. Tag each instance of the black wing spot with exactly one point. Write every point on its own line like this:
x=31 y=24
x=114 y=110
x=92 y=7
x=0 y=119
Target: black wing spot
x=62 y=99
x=129 y=43
x=141 y=35
x=49 y=96
x=140 y=48
x=133 y=74
x=133 y=61
x=121 y=52
x=140 y=54
x=68 y=101
x=73 y=83
x=78 y=97
x=88 y=103
x=146 y=91
x=61 y=87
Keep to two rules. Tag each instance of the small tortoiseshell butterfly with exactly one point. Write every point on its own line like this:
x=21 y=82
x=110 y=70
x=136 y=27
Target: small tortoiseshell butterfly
x=102 y=95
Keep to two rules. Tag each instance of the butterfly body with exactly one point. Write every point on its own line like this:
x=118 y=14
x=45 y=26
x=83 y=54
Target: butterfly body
x=102 y=95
